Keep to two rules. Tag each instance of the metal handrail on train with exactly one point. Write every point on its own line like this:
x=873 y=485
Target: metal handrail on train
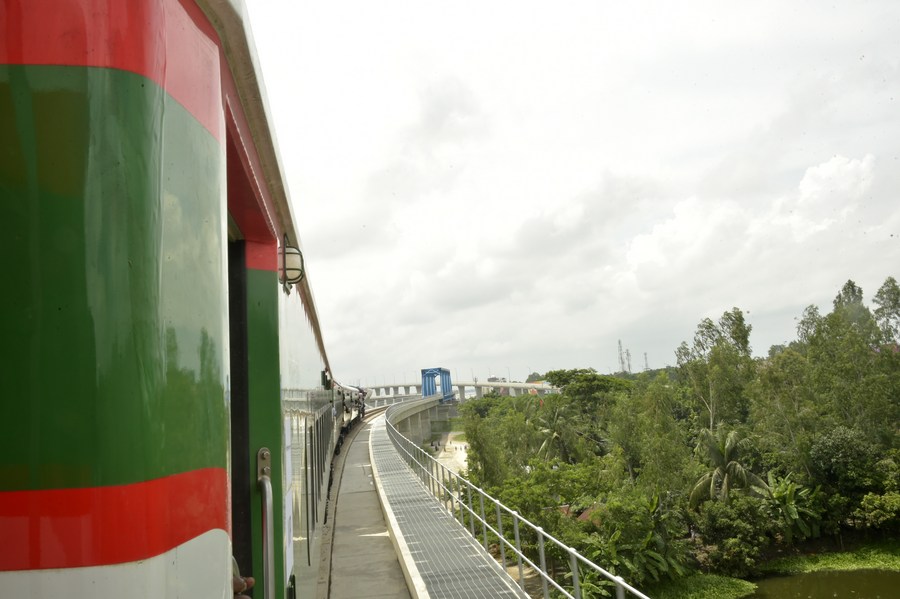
x=264 y=479
x=456 y=494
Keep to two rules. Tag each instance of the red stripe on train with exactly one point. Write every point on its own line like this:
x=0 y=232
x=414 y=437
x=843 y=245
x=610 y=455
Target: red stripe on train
x=167 y=41
x=72 y=528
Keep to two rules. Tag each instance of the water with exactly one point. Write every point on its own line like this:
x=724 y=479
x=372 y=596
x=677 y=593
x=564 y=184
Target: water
x=859 y=584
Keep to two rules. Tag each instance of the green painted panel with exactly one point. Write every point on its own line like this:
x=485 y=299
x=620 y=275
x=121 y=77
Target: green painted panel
x=264 y=382
x=114 y=310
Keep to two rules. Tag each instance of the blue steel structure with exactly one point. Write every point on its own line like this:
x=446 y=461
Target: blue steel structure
x=429 y=386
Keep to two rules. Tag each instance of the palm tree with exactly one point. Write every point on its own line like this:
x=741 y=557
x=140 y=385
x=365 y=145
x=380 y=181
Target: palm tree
x=727 y=473
x=552 y=421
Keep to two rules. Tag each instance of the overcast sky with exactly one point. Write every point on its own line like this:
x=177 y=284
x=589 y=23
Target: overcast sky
x=499 y=187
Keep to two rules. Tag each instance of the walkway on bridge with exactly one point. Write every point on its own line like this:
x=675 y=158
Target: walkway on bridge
x=439 y=558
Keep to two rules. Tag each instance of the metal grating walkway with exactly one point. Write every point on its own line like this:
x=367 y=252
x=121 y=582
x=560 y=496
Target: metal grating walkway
x=440 y=557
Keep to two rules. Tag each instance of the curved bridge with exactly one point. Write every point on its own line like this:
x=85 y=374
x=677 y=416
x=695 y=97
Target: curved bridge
x=511 y=389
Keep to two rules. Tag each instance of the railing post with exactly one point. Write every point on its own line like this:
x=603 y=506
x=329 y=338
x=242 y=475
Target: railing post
x=502 y=537
x=484 y=530
x=515 y=516
x=453 y=498
x=432 y=475
x=444 y=493
x=620 y=590
x=471 y=511
x=421 y=467
x=445 y=478
x=573 y=566
x=540 y=535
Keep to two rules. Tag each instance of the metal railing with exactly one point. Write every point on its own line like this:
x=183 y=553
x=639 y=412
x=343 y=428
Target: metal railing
x=470 y=505
x=389 y=400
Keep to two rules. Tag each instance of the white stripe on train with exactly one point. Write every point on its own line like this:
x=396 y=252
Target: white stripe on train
x=197 y=569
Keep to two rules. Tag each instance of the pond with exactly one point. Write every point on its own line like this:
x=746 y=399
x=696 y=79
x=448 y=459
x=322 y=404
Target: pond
x=858 y=584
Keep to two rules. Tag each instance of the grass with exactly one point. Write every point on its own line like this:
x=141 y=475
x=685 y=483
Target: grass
x=703 y=586
x=878 y=556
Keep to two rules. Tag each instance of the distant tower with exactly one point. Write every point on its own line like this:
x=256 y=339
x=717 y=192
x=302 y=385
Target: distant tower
x=621 y=358
x=628 y=359
x=646 y=364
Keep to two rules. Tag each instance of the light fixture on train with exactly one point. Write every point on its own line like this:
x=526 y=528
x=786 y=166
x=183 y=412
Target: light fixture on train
x=291 y=268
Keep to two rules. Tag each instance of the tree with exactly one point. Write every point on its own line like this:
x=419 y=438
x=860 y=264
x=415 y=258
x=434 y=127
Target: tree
x=718 y=366
x=653 y=443
x=845 y=462
x=561 y=434
x=723 y=451
x=850 y=294
x=849 y=305
x=856 y=383
x=486 y=458
x=887 y=314
x=806 y=328
x=783 y=407
x=534 y=377
x=666 y=464
x=561 y=378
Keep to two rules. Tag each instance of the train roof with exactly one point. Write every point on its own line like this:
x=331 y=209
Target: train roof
x=230 y=20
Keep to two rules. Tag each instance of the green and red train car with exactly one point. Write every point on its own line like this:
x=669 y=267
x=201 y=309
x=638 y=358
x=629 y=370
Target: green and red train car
x=152 y=354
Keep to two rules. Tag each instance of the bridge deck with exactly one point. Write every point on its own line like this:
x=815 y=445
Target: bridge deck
x=438 y=555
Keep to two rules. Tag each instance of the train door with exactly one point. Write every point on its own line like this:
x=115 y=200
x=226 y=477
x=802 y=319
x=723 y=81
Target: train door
x=241 y=489
x=255 y=393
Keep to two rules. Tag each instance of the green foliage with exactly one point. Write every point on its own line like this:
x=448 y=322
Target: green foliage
x=636 y=537
x=702 y=586
x=888 y=470
x=733 y=535
x=793 y=507
x=553 y=420
x=666 y=465
x=723 y=452
x=561 y=378
x=822 y=411
x=844 y=461
x=854 y=379
x=718 y=367
x=887 y=314
x=874 y=556
x=534 y=377
x=783 y=407
x=488 y=460
x=540 y=493
x=879 y=512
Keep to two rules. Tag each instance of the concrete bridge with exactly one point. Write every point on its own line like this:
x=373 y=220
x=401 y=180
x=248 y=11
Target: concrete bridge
x=512 y=389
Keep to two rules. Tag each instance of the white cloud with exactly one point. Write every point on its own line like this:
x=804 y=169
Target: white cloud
x=483 y=185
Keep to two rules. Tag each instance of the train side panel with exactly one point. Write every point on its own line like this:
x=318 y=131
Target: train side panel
x=114 y=477
x=150 y=350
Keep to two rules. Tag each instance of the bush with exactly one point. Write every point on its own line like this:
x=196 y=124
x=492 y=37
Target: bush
x=636 y=538
x=793 y=508
x=879 y=512
x=731 y=536
x=844 y=461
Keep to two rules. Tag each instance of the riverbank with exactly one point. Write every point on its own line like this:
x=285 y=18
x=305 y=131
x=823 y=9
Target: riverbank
x=876 y=556
x=452 y=452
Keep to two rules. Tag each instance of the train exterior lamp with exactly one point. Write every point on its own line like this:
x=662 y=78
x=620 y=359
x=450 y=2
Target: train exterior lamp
x=291 y=265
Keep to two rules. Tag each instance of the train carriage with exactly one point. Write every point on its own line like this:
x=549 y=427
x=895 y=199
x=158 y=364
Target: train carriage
x=163 y=387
